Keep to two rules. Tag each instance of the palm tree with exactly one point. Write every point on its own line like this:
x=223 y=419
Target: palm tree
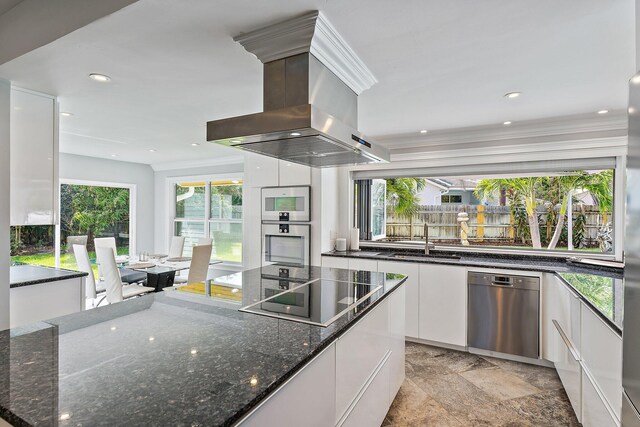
x=523 y=191
x=403 y=195
x=599 y=186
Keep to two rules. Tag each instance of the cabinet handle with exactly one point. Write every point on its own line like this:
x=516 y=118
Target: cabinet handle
x=567 y=342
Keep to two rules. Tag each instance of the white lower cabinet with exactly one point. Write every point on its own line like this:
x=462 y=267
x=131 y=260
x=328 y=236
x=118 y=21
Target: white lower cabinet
x=594 y=410
x=351 y=383
x=373 y=404
x=443 y=304
x=567 y=363
x=397 y=332
x=411 y=289
x=602 y=356
x=335 y=262
x=307 y=397
x=358 y=353
x=363 y=264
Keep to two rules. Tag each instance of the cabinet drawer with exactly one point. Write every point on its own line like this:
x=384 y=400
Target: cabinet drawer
x=594 y=410
x=602 y=355
x=308 y=397
x=358 y=353
x=372 y=406
x=363 y=264
x=335 y=262
x=569 y=370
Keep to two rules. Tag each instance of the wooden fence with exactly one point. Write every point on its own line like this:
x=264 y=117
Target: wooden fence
x=487 y=224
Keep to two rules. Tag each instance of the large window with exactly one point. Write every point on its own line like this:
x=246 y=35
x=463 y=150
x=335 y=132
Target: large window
x=211 y=209
x=559 y=211
x=86 y=212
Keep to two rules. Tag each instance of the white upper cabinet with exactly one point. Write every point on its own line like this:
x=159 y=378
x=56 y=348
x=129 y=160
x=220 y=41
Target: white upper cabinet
x=260 y=171
x=293 y=174
x=34 y=158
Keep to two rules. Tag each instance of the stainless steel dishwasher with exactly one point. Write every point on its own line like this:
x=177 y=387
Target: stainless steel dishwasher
x=504 y=314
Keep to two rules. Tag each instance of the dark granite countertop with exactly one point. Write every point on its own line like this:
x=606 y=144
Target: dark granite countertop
x=26 y=275
x=180 y=357
x=599 y=287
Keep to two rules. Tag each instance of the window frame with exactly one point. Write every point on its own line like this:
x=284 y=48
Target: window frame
x=171 y=183
x=618 y=211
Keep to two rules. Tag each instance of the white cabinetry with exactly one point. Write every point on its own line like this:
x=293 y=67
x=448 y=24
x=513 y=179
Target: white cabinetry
x=335 y=262
x=44 y=301
x=602 y=357
x=260 y=171
x=363 y=264
x=351 y=383
x=293 y=174
x=411 y=289
x=567 y=363
x=594 y=410
x=443 y=304
x=34 y=158
x=358 y=353
x=308 y=397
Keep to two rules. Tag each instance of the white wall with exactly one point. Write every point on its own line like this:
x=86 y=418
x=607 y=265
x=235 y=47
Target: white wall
x=162 y=205
x=5 y=97
x=103 y=170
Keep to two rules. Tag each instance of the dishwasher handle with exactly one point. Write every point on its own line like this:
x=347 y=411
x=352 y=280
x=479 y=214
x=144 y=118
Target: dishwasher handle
x=503 y=284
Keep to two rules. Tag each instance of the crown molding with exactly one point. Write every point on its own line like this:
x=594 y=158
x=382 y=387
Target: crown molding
x=310 y=33
x=589 y=123
x=190 y=164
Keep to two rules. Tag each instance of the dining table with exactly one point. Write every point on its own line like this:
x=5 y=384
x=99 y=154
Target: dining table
x=160 y=273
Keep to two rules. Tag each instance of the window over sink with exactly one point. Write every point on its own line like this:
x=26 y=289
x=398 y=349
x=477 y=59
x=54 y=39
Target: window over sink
x=551 y=209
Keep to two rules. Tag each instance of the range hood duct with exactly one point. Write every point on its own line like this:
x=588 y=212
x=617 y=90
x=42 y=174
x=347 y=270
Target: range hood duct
x=310 y=115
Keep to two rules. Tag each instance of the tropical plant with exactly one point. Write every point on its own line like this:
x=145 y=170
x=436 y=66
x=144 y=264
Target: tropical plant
x=403 y=195
x=598 y=184
x=524 y=190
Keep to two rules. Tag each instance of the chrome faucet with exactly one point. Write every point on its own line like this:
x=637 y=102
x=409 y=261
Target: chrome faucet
x=427 y=245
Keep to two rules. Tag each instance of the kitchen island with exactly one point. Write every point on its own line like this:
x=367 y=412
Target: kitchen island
x=190 y=357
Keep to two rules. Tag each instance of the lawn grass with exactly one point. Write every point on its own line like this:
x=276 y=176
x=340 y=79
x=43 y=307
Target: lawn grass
x=67 y=261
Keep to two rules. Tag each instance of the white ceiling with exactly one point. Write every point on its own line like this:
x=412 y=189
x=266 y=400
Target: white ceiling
x=174 y=66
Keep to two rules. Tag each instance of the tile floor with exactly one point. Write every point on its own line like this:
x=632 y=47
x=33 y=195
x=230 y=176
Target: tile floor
x=452 y=388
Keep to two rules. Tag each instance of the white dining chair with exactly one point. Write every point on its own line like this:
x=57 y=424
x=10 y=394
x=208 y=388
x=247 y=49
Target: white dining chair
x=128 y=275
x=199 y=267
x=177 y=247
x=204 y=241
x=92 y=289
x=116 y=290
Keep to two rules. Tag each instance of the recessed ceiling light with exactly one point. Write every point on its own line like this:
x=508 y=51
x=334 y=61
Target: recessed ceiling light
x=99 y=77
x=295 y=134
x=603 y=111
x=152 y=150
x=113 y=328
x=195 y=144
x=635 y=79
x=511 y=95
x=507 y=123
x=151 y=338
x=631 y=110
x=66 y=114
x=423 y=131
x=113 y=155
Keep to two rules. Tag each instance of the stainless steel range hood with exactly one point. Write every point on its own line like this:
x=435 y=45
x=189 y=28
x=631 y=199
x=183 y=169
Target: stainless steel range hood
x=310 y=117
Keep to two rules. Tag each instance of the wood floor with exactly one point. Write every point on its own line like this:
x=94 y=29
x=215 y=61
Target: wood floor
x=451 y=388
